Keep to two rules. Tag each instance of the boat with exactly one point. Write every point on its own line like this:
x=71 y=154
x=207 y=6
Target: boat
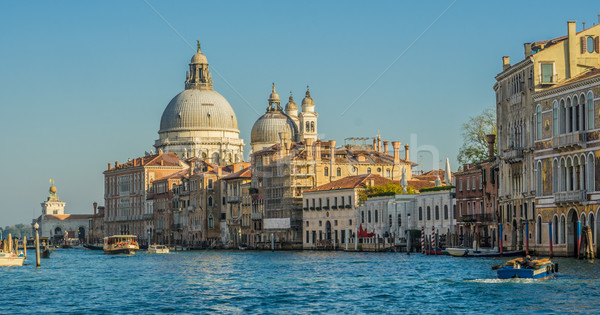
x=525 y=268
x=45 y=253
x=11 y=259
x=469 y=252
x=93 y=246
x=120 y=244
x=437 y=251
x=158 y=249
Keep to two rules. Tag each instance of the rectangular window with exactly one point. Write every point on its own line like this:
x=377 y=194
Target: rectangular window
x=547 y=73
x=460 y=186
x=468 y=184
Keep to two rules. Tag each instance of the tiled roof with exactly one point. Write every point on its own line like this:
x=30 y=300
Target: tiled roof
x=61 y=217
x=594 y=72
x=350 y=182
x=419 y=184
x=244 y=173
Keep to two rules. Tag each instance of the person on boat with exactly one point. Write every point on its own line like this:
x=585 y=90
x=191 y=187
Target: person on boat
x=527 y=263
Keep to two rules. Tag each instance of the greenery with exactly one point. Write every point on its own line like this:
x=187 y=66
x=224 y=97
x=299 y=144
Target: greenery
x=437 y=188
x=318 y=208
x=325 y=208
x=389 y=189
x=348 y=206
x=475 y=146
x=333 y=207
x=17 y=230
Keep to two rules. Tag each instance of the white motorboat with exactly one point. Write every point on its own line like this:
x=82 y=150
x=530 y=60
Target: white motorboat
x=457 y=252
x=121 y=244
x=158 y=249
x=11 y=259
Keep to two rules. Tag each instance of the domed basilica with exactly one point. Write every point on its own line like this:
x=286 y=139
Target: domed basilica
x=200 y=122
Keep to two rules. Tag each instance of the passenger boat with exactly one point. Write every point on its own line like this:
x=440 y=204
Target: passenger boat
x=11 y=259
x=525 y=268
x=437 y=251
x=158 y=249
x=469 y=252
x=121 y=244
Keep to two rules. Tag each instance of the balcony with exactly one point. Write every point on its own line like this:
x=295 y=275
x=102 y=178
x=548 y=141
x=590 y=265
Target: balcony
x=513 y=155
x=570 y=197
x=569 y=141
x=478 y=218
x=234 y=199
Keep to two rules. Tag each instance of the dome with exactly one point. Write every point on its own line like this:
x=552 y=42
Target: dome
x=199 y=58
x=198 y=109
x=291 y=106
x=308 y=100
x=268 y=127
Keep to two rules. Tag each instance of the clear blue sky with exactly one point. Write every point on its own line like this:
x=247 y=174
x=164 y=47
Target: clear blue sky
x=83 y=84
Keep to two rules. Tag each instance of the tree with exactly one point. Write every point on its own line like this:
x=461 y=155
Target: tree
x=475 y=147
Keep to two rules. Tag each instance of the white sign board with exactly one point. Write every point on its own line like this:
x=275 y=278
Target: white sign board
x=271 y=224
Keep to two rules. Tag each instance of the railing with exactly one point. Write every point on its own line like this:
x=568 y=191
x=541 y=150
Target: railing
x=573 y=196
x=479 y=218
x=234 y=199
x=553 y=79
x=570 y=140
x=513 y=155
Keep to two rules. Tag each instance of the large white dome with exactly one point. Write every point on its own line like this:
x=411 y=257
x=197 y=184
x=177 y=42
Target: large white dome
x=196 y=109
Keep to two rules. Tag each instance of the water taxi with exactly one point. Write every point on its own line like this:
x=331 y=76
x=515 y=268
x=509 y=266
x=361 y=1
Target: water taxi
x=526 y=268
x=11 y=259
x=121 y=244
x=158 y=249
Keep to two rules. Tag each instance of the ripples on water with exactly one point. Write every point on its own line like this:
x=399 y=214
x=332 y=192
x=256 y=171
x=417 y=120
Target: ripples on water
x=81 y=281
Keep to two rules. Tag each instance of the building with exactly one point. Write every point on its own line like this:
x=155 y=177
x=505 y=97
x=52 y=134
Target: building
x=126 y=191
x=329 y=210
x=239 y=208
x=567 y=153
x=58 y=226
x=476 y=201
x=166 y=212
x=547 y=63
x=200 y=122
x=96 y=226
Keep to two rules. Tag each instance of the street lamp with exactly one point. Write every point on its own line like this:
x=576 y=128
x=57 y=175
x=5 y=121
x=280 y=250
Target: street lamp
x=36 y=226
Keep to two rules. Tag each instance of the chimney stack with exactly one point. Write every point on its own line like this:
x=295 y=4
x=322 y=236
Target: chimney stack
x=491 y=139
x=374 y=144
x=331 y=156
x=116 y=164
x=192 y=166
x=95 y=204
x=385 y=147
x=219 y=171
x=109 y=166
x=505 y=63
x=396 y=146
x=528 y=51
x=379 y=143
x=406 y=152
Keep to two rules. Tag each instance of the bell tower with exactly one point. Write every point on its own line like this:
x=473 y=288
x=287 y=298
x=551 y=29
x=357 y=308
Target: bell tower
x=308 y=118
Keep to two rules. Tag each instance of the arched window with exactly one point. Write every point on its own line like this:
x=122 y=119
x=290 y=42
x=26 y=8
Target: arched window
x=539 y=179
x=555 y=126
x=307 y=129
x=562 y=229
x=590 y=44
x=312 y=126
x=590 y=167
x=428 y=213
x=437 y=212
x=215 y=158
x=445 y=212
x=362 y=217
x=211 y=221
x=326 y=171
x=555 y=230
x=538 y=230
x=376 y=216
x=369 y=216
x=539 y=123
x=210 y=201
x=369 y=170
x=339 y=172
x=420 y=213
x=590 y=110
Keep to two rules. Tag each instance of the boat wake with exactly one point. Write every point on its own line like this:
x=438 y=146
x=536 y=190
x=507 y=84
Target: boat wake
x=492 y=281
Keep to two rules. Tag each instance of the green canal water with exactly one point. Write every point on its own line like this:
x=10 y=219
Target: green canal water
x=82 y=281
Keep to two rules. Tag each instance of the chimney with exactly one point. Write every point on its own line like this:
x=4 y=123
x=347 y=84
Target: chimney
x=308 y=143
x=385 y=147
x=192 y=166
x=396 y=146
x=374 y=144
x=318 y=150
x=379 y=143
x=219 y=171
x=491 y=139
x=162 y=163
x=572 y=33
x=406 y=152
x=505 y=63
x=116 y=164
x=160 y=151
x=528 y=51
x=109 y=166
x=95 y=204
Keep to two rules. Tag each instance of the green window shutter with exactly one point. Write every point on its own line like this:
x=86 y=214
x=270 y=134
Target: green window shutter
x=596 y=42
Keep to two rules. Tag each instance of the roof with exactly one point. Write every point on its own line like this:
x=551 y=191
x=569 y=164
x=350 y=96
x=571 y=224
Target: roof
x=419 y=184
x=62 y=217
x=160 y=159
x=351 y=182
x=177 y=175
x=594 y=72
x=244 y=173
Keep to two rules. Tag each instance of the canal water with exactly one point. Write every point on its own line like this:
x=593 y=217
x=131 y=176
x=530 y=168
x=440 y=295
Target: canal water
x=83 y=281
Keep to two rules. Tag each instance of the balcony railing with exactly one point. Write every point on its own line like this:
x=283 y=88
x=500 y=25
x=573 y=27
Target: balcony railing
x=573 y=196
x=513 y=155
x=569 y=140
x=234 y=199
x=478 y=218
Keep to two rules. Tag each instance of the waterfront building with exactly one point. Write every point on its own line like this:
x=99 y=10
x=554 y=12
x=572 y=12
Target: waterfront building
x=239 y=208
x=476 y=202
x=56 y=225
x=547 y=63
x=567 y=153
x=166 y=229
x=126 y=188
x=200 y=122
x=434 y=210
x=96 y=226
x=329 y=210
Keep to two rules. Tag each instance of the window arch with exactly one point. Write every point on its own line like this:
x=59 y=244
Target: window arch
x=555 y=228
x=590 y=168
x=538 y=230
x=339 y=171
x=369 y=170
x=562 y=116
x=312 y=126
x=539 y=122
x=211 y=221
x=307 y=129
x=590 y=110
x=445 y=212
x=369 y=216
x=539 y=179
x=376 y=216
x=437 y=212
x=590 y=44
x=555 y=126
x=420 y=213
x=428 y=213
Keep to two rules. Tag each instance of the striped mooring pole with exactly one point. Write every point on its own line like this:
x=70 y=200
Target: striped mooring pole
x=433 y=240
x=422 y=239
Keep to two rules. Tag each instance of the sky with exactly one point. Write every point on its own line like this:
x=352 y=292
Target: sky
x=83 y=84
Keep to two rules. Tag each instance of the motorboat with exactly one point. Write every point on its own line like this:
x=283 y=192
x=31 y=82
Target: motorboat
x=525 y=268
x=120 y=244
x=158 y=249
x=487 y=252
x=11 y=259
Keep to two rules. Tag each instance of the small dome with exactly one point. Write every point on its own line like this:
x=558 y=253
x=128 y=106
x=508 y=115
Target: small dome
x=307 y=99
x=198 y=110
x=268 y=127
x=291 y=106
x=199 y=58
x=274 y=97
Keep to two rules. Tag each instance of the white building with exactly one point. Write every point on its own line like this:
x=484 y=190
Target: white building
x=56 y=225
